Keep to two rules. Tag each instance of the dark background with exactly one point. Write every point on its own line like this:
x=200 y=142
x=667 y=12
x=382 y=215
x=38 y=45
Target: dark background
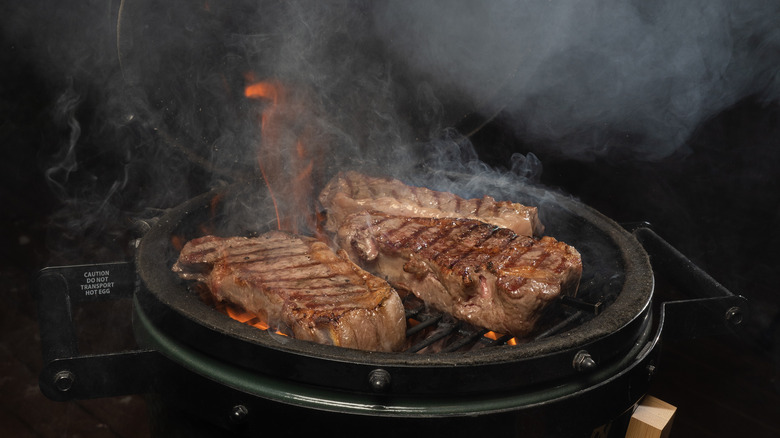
x=717 y=200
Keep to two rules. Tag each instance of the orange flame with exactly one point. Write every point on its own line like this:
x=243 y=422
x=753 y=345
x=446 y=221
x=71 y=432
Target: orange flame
x=245 y=317
x=268 y=91
x=263 y=90
x=286 y=153
x=491 y=335
x=496 y=336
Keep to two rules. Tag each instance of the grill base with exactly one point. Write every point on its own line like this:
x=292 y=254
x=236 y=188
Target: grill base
x=168 y=421
x=198 y=393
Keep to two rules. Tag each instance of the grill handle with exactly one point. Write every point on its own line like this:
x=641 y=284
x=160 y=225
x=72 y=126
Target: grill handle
x=710 y=310
x=66 y=374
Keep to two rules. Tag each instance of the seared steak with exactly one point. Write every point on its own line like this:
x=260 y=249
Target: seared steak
x=481 y=273
x=352 y=192
x=300 y=286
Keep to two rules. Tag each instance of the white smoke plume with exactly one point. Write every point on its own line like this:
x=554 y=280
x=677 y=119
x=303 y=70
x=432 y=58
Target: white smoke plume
x=591 y=76
x=153 y=112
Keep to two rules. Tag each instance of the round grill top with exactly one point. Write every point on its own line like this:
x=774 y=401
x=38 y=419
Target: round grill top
x=616 y=272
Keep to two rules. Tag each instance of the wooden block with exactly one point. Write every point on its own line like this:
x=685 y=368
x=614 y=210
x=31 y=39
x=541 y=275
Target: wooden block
x=651 y=419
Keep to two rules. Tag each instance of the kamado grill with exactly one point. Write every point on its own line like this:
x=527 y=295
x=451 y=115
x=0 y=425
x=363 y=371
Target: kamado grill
x=580 y=374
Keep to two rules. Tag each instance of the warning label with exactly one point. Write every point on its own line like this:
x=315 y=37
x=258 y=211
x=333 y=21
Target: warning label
x=97 y=283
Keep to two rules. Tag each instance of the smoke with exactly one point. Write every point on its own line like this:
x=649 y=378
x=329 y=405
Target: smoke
x=593 y=76
x=451 y=163
x=66 y=163
x=99 y=150
x=147 y=103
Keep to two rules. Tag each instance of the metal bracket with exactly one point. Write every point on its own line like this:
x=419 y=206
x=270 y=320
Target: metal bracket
x=102 y=375
x=712 y=310
x=66 y=374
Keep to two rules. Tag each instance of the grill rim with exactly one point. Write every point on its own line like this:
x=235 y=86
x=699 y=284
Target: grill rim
x=406 y=405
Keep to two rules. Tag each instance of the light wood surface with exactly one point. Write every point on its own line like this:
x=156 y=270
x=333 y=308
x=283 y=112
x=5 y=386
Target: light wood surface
x=651 y=419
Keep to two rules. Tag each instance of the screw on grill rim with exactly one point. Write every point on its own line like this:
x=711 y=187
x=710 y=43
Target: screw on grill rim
x=583 y=361
x=238 y=414
x=379 y=379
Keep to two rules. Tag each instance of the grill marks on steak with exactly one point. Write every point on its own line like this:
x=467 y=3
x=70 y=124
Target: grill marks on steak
x=352 y=192
x=299 y=285
x=486 y=275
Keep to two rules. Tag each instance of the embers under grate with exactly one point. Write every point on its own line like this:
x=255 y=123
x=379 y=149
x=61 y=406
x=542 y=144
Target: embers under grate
x=430 y=331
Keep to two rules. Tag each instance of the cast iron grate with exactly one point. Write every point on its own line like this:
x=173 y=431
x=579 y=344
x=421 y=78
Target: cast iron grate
x=430 y=331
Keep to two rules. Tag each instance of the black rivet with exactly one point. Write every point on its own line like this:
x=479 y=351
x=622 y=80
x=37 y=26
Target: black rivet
x=238 y=414
x=734 y=315
x=379 y=380
x=650 y=371
x=63 y=380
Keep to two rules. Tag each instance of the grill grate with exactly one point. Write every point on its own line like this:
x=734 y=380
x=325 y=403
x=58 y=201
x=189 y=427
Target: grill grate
x=429 y=331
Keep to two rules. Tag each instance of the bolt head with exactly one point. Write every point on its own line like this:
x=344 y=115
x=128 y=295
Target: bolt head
x=238 y=414
x=583 y=361
x=63 y=380
x=734 y=315
x=650 y=371
x=379 y=380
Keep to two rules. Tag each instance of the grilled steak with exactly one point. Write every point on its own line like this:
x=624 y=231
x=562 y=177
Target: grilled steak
x=484 y=274
x=352 y=192
x=300 y=286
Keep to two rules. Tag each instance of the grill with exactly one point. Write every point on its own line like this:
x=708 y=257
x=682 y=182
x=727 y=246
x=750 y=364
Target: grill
x=592 y=358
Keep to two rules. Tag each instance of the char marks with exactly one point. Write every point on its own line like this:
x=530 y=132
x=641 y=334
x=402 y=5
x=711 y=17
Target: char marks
x=475 y=271
x=299 y=285
x=455 y=244
x=352 y=192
